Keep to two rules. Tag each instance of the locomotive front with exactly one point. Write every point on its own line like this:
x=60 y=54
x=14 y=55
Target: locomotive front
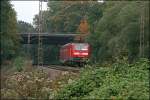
x=81 y=52
x=75 y=53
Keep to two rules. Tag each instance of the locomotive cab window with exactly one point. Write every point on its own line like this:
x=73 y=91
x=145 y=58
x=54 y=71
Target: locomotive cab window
x=81 y=47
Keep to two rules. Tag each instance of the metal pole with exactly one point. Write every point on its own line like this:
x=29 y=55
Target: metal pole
x=40 y=49
x=28 y=44
x=142 y=22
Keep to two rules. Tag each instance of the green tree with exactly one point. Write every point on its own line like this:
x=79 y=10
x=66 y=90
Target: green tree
x=118 y=30
x=9 y=37
x=65 y=16
x=24 y=27
x=43 y=22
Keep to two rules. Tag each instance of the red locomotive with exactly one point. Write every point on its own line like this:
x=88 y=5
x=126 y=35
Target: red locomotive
x=75 y=53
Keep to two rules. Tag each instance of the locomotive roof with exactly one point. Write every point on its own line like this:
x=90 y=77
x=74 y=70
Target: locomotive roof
x=73 y=44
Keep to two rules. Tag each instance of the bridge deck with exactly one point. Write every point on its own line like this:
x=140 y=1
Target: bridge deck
x=47 y=38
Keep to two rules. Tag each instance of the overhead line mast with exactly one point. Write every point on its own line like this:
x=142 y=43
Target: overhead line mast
x=142 y=32
x=40 y=49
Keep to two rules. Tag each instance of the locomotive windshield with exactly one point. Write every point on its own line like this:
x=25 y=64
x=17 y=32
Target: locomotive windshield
x=81 y=46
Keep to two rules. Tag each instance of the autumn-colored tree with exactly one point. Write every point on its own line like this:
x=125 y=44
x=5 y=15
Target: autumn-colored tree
x=65 y=16
x=83 y=27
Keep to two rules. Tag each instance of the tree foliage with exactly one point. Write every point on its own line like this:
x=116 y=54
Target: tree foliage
x=43 y=22
x=118 y=31
x=9 y=37
x=24 y=27
x=65 y=16
x=115 y=26
x=120 y=80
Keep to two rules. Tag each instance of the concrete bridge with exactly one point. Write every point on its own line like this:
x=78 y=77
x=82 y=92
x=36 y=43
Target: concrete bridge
x=47 y=38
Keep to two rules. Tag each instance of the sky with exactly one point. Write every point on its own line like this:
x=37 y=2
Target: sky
x=27 y=9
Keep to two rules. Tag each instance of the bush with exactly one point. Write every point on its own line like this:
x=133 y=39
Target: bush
x=19 y=63
x=33 y=83
x=121 y=80
x=27 y=85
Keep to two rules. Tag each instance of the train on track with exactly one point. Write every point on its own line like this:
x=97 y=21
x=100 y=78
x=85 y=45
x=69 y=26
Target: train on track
x=75 y=53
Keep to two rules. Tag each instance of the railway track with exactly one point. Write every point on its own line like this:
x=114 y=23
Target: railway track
x=63 y=68
x=55 y=71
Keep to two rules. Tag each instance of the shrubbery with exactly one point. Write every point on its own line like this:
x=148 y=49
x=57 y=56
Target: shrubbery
x=32 y=82
x=27 y=85
x=118 y=81
x=19 y=63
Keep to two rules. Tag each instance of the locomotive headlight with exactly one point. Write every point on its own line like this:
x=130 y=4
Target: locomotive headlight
x=83 y=53
x=76 y=53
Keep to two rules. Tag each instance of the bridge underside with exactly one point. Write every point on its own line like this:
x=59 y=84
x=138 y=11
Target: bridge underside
x=52 y=39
